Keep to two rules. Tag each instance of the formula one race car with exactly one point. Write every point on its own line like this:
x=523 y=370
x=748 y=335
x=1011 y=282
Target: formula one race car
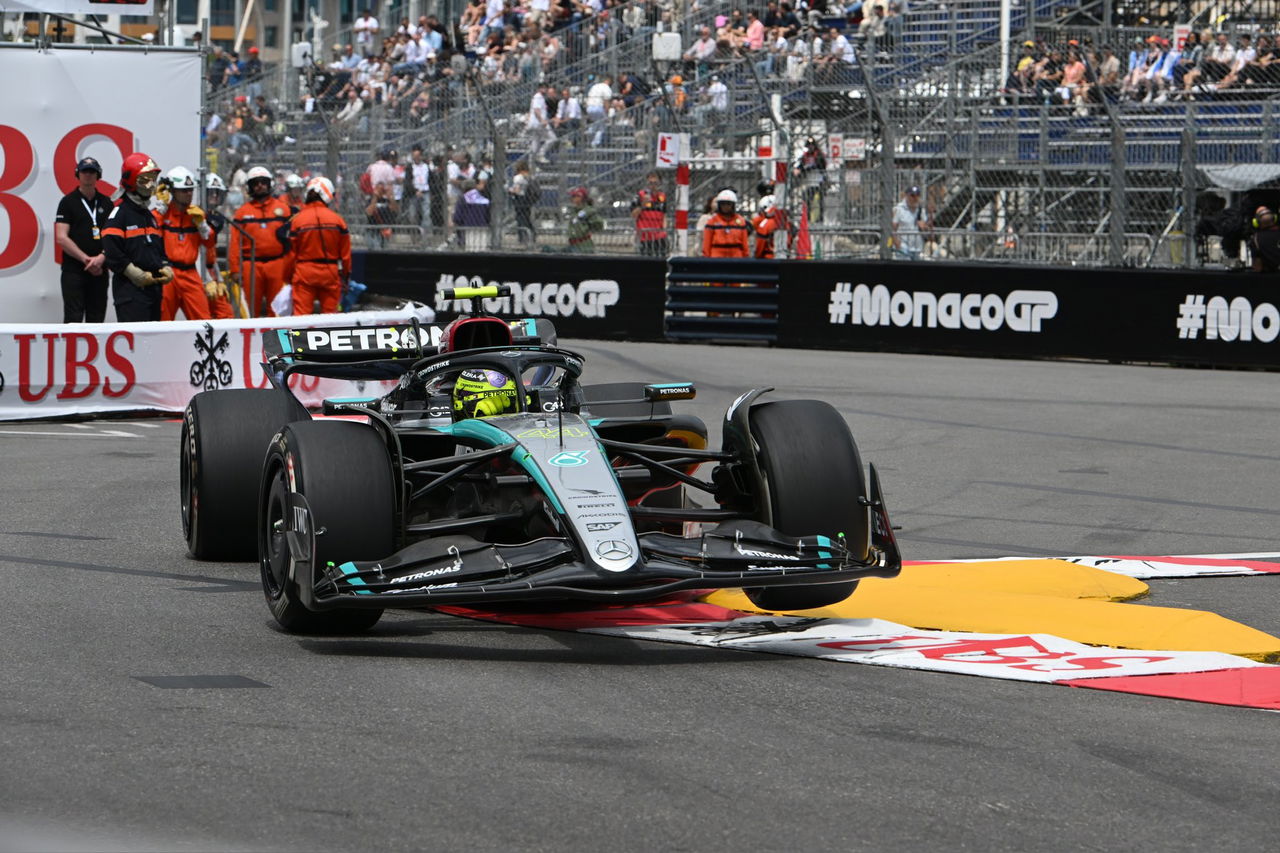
x=490 y=474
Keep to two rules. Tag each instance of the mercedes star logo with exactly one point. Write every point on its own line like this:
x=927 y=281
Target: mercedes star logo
x=614 y=549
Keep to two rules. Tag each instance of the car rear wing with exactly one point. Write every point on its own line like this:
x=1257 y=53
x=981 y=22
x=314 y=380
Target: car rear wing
x=398 y=342
x=342 y=344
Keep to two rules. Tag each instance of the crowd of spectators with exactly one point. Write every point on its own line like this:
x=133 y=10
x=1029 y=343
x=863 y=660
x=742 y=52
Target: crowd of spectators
x=1154 y=69
x=418 y=72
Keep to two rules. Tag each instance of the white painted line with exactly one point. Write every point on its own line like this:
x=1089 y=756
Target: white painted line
x=111 y=434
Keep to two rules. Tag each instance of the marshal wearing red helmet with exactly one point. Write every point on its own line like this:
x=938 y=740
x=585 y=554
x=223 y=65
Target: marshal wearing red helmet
x=320 y=263
x=133 y=245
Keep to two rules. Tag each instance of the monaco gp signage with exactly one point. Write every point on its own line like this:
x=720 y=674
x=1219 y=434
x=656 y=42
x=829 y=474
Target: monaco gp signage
x=54 y=370
x=1184 y=316
x=89 y=103
x=584 y=296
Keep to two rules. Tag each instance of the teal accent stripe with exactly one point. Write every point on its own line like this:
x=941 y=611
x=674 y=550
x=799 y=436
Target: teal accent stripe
x=349 y=569
x=824 y=542
x=347 y=400
x=285 y=346
x=478 y=429
x=525 y=460
x=669 y=384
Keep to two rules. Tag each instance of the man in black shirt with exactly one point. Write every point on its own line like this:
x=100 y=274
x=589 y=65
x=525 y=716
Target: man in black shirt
x=82 y=214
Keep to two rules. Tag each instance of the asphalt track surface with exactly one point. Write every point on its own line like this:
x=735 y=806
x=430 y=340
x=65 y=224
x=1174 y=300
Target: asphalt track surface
x=440 y=733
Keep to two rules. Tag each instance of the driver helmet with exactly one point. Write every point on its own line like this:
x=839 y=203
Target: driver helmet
x=482 y=394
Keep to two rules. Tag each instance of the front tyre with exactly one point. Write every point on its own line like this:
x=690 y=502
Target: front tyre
x=224 y=438
x=343 y=471
x=814 y=478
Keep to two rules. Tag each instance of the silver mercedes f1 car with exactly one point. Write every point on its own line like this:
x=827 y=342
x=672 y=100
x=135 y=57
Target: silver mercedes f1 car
x=490 y=473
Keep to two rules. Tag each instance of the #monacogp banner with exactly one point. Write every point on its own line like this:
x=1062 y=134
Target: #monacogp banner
x=55 y=370
x=58 y=106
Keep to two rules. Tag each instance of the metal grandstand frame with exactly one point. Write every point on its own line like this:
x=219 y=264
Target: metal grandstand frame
x=1006 y=177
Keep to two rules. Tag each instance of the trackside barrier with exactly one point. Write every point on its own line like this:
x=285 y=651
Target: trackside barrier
x=584 y=296
x=1139 y=315
x=1110 y=314
x=76 y=369
x=725 y=299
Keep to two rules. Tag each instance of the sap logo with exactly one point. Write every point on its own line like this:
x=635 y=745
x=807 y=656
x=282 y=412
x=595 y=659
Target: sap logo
x=601 y=526
x=589 y=298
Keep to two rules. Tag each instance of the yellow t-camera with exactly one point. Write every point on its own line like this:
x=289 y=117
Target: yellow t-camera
x=487 y=292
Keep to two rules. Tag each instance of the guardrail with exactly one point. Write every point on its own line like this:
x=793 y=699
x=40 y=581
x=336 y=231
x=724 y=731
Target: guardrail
x=1003 y=310
x=722 y=299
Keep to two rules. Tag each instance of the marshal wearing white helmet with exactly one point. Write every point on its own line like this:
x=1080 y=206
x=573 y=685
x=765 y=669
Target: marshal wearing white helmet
x=294 y=187
x=726 y=232
x=320 y=189
x=258 y=249
x=185 y=231
x=215 y=195
x=320 y=264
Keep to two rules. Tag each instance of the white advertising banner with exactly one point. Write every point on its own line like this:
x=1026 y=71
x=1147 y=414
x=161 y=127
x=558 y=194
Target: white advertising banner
x=55 y=370
x=103 y=104
x=80 y=7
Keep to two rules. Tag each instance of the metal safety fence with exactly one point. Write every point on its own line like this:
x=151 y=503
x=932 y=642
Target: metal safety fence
x=1103 y=171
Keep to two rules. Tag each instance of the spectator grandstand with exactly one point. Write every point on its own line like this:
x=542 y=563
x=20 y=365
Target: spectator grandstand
x=1071 y=139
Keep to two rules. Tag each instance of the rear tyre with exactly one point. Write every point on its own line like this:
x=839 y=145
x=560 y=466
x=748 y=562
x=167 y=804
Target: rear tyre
x=344 y=472
x=224 y=439
x=813 y=473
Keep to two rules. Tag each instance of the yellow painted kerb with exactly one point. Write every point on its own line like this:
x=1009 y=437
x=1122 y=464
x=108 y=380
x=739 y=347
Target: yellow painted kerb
x=1036 y=597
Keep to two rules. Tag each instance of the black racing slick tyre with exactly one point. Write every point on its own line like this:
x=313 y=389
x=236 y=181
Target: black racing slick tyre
x=343 y=471
x=813 y=473
x=224 y=440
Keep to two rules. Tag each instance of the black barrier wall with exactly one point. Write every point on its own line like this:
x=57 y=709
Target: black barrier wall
x=1191 y=317
x=584 y=296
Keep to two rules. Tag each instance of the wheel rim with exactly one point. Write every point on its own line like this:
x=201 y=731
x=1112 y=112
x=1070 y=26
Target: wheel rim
x=273 y=547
